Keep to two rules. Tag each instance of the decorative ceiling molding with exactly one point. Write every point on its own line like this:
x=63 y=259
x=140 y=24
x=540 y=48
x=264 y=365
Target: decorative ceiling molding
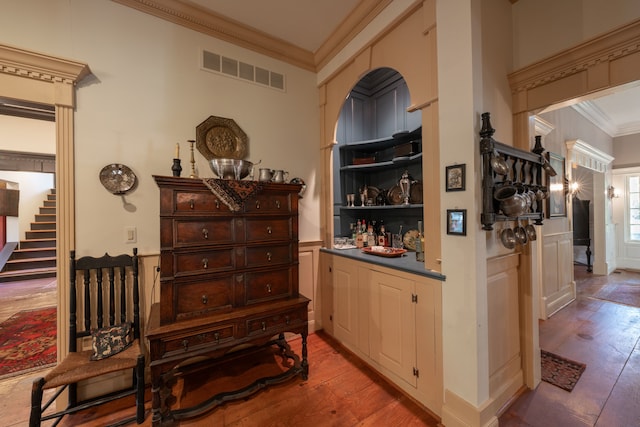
x=597 y=57
x=189 y=15
x=595 y=115
x=582 y=154
x=542 y=127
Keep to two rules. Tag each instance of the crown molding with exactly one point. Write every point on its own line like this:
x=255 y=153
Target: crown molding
x=595 y=115
x=542 y=127
x=189 y=15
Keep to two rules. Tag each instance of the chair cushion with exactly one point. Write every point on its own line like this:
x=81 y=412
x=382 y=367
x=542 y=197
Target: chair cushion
x=110 y=340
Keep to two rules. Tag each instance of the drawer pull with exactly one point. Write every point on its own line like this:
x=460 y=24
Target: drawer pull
x=278 y=204
x=268 y=287
x=185 y=345
x=269 y=256
x=205 y=263
x=269 y=230
x=205 y=299
x=287 y=320
x=257 y=204
x=192 y=204
x=217 y=204
x=264 y=326
x=205 y=233
x=216 y=336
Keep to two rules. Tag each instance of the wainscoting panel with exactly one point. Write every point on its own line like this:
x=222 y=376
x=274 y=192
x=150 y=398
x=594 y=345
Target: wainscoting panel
x=557 y=287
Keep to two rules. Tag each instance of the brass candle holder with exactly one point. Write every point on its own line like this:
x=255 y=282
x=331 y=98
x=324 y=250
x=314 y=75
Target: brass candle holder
x=193 y=161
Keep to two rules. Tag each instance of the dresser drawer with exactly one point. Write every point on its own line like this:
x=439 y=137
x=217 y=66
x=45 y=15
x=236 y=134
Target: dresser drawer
x=203 y=261
x=268 y=229
x=205 y=232
x=269 y=203
x=198 y=202
x=213 y=336
x=258 y=256
x=269 y=285
x=205 y=296
x=276 y=322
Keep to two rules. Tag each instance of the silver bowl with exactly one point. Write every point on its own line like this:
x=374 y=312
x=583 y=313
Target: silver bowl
x=231 y=168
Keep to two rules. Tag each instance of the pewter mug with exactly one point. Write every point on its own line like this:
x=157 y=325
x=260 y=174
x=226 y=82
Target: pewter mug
x=265 y=174
x=279 y=175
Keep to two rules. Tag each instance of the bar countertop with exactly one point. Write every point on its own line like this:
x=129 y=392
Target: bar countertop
x=406 y=262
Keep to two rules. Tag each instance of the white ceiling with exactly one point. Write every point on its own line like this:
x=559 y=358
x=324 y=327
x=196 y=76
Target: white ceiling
x=617 y=113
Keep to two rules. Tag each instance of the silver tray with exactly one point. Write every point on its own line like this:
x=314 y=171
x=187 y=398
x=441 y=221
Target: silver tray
x=118 y=178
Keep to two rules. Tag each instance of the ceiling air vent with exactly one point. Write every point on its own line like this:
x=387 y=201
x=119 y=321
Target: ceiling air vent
x=241 y=70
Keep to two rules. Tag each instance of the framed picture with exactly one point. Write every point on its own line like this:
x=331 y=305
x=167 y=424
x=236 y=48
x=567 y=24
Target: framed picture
x=556 y=204
x=457 y=222
x=454 y=177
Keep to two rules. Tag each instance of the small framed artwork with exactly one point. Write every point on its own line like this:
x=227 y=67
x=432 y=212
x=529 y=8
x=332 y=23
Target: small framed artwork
x=457 y=222
x=455 y=177
x=556 y=204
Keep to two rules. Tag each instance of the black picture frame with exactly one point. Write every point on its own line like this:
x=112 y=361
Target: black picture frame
x=457 y=222
x=455 y=178
x=556 y=203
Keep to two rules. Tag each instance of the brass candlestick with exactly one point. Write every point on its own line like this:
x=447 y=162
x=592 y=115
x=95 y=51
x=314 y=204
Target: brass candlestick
x=193 y=161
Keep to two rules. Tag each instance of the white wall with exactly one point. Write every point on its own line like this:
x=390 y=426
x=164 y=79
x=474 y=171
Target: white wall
x=544 y=27
x=147 y=92
x=627 y=253
x=28 y=135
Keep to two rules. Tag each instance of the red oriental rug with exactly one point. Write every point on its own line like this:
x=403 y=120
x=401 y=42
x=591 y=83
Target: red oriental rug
x=28 y=341
x=560 y=371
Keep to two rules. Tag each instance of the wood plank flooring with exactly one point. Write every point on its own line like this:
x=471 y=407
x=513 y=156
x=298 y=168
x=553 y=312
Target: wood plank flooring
x=343 y=391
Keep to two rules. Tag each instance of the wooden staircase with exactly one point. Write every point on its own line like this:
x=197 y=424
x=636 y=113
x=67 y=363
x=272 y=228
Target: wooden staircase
x=36 y=256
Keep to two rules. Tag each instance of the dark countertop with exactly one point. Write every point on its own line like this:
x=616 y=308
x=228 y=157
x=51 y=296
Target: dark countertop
x=406 y=263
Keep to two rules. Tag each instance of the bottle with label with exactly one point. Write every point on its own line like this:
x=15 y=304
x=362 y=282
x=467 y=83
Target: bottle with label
x=359 y=238
x=382 y=236
x=371 y=237
x=420 y=244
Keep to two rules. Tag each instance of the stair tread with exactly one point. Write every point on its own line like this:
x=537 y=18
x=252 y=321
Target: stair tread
x=26 y=260
x=27 y=272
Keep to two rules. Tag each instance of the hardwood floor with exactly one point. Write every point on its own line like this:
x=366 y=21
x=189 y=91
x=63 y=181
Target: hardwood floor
x=343 y=391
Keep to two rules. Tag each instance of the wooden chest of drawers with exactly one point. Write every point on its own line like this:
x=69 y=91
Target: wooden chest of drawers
x=228 y=280
x=213 y=258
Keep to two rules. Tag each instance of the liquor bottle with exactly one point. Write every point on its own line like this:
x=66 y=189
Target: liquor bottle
x=371 y=237
x=382 y=236
x=359 y=237
x=420 y=244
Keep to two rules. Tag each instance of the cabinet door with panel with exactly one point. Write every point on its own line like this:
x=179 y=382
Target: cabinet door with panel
x=345 y=301
x=393 y=324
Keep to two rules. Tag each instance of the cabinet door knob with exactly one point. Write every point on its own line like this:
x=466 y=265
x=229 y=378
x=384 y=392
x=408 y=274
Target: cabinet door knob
x=217 y=204
x=192 y=204
x=185 y=345
x=205 y=299
x=287 y=320
x=269 y=287
x=269 y=256
x=264 y=326
x=205 y=233
x=257 y=204
x=278 y=204
x=216 y=336
x=205 y=263
x=269 y=230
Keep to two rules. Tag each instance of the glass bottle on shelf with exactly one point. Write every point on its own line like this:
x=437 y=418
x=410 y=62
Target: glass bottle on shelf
x=420 y=244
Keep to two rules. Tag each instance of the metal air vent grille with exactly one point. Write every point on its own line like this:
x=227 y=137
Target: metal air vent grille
x=230 y=67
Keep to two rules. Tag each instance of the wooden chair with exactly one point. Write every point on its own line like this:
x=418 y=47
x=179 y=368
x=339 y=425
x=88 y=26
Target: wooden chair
x=120 y=290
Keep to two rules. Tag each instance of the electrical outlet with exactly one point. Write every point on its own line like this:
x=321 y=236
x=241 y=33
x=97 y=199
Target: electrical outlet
x=130 y=235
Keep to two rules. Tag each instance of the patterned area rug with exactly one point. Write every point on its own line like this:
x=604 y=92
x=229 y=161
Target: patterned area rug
x=559 y=371
x=28 y=342
x=622 y=293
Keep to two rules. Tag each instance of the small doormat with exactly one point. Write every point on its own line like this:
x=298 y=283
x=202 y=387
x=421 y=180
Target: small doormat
x=559 y=371
x=622 y=293
x=28 y=341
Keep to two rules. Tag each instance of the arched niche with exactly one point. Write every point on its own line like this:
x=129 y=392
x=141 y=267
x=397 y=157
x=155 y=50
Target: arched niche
x=417 y=63
x=44 y=79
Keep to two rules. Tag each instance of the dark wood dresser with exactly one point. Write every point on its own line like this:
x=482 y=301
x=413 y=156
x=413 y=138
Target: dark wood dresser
x=228 y=279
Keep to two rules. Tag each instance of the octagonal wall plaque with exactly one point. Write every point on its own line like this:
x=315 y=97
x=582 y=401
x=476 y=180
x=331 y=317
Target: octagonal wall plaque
x=221 y=138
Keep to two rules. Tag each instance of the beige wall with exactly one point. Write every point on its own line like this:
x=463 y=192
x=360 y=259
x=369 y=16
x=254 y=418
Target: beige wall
x=545 y=27
x=147 y=92
x=626 y=150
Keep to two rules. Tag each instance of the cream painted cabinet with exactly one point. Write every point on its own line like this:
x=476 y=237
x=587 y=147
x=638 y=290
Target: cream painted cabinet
x=393 y=325
x=391 y=319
